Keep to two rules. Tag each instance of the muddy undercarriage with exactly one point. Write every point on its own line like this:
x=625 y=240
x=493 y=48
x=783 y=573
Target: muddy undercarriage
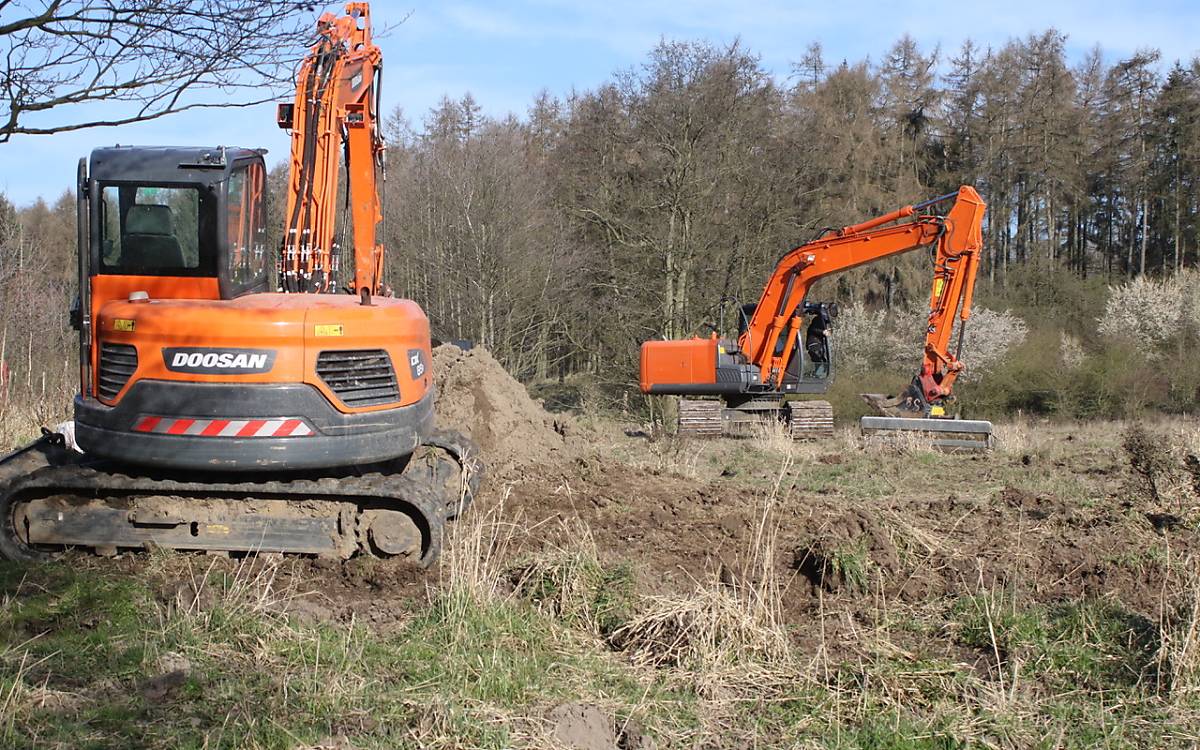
x=52 y=498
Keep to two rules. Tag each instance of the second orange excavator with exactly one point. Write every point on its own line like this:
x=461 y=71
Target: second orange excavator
x=784 y=348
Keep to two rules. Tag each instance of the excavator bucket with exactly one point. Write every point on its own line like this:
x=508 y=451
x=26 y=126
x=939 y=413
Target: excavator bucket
x=895 y=424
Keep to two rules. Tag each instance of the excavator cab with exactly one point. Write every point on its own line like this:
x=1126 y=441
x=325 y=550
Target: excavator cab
x=814 y=360
x=811 y=362
x=187 y=223
x=188 y=361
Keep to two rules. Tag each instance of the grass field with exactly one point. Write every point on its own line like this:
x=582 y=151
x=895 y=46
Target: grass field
x=742 y=593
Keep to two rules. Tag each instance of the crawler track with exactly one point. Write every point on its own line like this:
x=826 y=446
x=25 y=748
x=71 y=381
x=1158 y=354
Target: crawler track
x=810 y=420
x=700 y=417
x=51 y=498
x=804 y=420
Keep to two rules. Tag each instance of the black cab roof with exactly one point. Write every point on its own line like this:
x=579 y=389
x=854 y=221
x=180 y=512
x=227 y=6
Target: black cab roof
x=194 y=164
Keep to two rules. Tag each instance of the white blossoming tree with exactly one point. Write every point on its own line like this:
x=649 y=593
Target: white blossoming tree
x=866 y=339
x=1152 y=312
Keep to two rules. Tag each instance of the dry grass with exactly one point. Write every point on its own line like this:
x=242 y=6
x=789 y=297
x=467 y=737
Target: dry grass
x=1165 y=465
x=728 y=637
x=238 y=613
x=847 y=439
x=20 y=696
x=475 y=556
x=213 y=586
x=1019 y=436
x=682 y=456
x=902 y=442
x=773 y=437
x=522 y=617
x=1179 y=629
x=727 y=640
x=569 y=583
x=26 y=406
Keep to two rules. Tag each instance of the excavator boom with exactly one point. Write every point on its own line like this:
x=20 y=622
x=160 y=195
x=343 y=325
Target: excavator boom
x=957 y=238
x=337 y=92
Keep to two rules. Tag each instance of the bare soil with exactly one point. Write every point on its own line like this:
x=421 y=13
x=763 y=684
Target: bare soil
x=477 y=397
x=858 y=530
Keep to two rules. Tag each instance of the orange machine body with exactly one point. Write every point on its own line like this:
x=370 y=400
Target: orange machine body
x=180 y=340
x=688 y=361
x=293 y=329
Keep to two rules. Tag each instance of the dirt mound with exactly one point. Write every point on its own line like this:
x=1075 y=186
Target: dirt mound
x=480 y=399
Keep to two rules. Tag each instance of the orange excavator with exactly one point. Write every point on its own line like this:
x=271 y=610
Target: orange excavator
x=214 y=414
x=785 y=344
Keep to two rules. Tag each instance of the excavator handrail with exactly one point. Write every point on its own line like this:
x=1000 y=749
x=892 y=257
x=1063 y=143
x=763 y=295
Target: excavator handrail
x=957 y=237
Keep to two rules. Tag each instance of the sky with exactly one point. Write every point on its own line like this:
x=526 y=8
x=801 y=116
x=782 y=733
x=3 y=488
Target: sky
x=504 y=53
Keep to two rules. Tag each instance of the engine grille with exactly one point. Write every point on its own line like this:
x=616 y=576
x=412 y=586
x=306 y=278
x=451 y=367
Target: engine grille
x=117 y=364
x=359 y=377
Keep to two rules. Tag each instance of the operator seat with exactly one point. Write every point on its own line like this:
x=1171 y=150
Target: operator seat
x=150 y=242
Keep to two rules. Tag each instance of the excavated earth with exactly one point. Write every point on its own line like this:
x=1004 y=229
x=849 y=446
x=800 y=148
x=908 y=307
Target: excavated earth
x=1062 y=519
x=478 y=398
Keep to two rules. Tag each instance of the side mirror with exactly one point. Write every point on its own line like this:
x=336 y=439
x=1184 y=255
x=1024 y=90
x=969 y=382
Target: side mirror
x=76 y=314
x=285 y=115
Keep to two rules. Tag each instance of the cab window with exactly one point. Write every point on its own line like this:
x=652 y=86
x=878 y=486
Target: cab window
x=151 y=230
x=245 y=226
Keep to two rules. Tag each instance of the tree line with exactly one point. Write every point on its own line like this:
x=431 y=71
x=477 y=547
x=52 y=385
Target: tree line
x=657 y=202
x=647 y=206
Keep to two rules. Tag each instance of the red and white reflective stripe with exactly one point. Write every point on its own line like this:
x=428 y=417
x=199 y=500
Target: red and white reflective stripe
x=224 y=427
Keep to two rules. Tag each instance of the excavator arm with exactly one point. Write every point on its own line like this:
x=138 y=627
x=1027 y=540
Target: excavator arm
x=336 y=108
x=956 y=239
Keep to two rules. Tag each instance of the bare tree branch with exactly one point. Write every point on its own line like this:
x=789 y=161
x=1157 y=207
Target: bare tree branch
x=141 y=59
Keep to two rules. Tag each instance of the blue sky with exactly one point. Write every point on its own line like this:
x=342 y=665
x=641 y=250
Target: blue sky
x=504 y=53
